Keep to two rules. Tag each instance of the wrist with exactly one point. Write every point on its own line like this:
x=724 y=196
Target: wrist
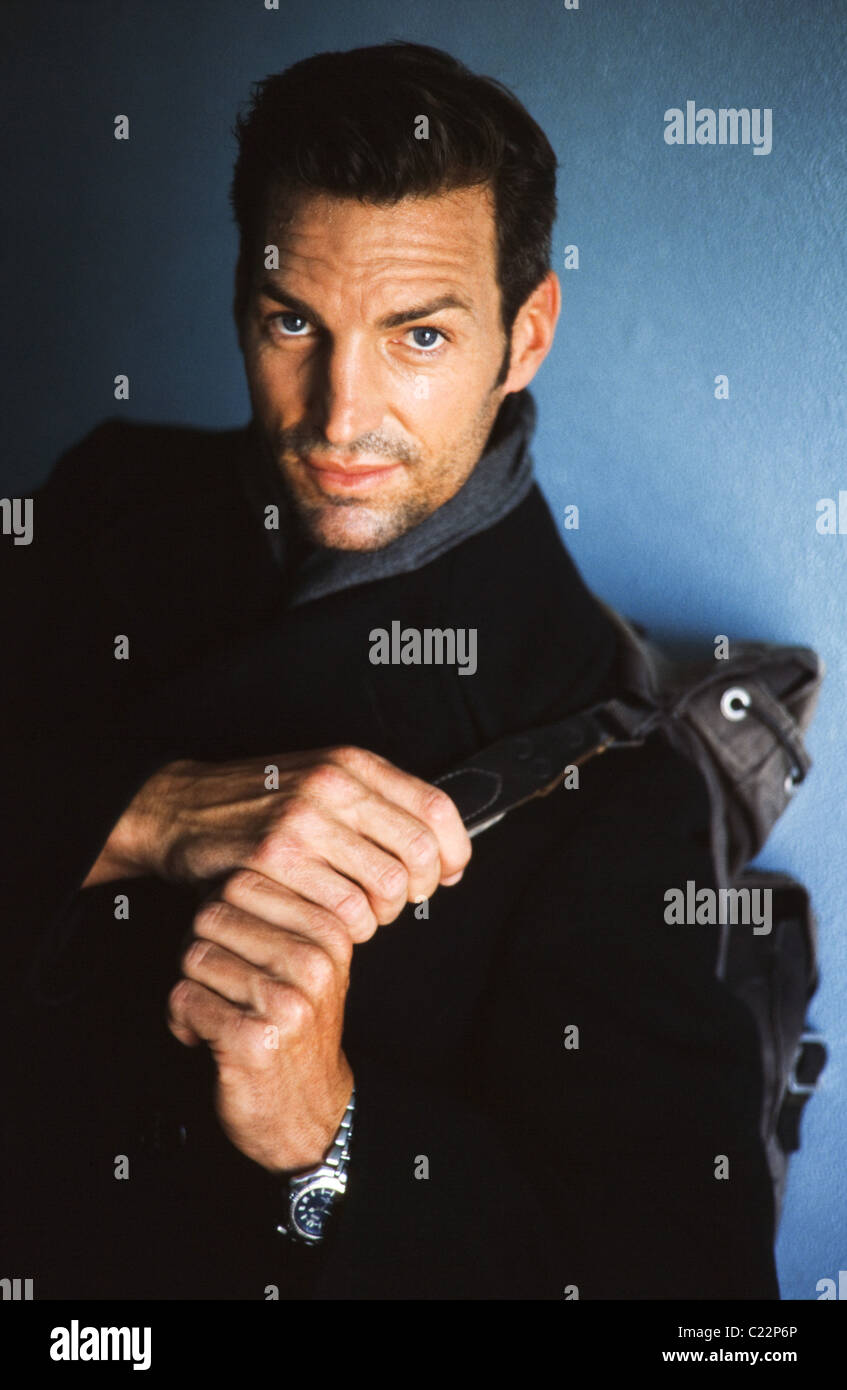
x=135 y=845
x=314 y=1194
x=149 y=829
x=144 y=837
x=304 y=1153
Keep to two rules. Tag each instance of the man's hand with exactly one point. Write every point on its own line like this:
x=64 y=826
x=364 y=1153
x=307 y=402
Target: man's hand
x=345 y=830
x=265 y=983
x=305 y=871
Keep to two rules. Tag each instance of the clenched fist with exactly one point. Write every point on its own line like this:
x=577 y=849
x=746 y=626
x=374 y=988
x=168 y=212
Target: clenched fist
x=265 y=980
x=303 y=873
x=344 y=829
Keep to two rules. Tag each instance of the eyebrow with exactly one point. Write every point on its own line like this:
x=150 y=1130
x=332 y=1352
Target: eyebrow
x=423 y=311
x=396 y=320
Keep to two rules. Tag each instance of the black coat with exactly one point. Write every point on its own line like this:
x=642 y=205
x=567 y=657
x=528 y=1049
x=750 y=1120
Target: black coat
x=549 y=1167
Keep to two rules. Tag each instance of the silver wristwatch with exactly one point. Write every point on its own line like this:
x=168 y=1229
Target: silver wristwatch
x=311 y=1194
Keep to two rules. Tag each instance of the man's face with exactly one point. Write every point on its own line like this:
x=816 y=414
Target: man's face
x=371 y=356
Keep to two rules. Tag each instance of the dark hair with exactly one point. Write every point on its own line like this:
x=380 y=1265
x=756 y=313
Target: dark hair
x=344 y=124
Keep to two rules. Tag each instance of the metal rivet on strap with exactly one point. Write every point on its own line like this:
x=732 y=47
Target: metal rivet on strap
x=734 y=703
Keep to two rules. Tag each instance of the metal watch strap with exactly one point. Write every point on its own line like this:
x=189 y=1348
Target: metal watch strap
x=333 y=1168
x=339 y=1154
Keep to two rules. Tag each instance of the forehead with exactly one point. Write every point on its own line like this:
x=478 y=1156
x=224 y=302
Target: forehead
x=446 y=239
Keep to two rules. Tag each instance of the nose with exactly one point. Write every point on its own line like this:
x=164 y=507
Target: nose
x=345 y=399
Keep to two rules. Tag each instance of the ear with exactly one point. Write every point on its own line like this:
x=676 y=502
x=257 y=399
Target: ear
x=533 y=331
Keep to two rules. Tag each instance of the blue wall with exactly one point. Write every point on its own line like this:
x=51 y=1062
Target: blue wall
x=697 y=515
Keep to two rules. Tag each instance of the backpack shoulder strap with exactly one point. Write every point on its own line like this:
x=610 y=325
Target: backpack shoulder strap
x=741 y=720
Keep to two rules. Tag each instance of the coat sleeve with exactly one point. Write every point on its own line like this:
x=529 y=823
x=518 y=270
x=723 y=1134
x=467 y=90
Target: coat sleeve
x=69 y=767
x=625 y=1165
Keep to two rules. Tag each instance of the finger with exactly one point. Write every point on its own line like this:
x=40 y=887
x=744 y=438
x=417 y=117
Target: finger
x=314 y=880
x=309 y=836
x=240 y=982
x=418 y=798
x=267 y=957
x=181 y=1031
x=195 y=1010
x=351 y=802
x=267 y=908
x=401 y=834
x=191 y=1018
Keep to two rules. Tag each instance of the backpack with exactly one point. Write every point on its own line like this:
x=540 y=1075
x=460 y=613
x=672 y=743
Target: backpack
x=741 y=721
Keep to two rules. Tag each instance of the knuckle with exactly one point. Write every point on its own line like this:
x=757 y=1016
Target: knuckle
x=353 y=907
x=239 y=885
x=194 y=953
x=250 y=1033
x=319 y=970
x=299 y=820
x=178 y=997
x=281 y=1003
x=351 y=758
x=267 y=851
x=340 y=943
x=438 y=807
x=392 y=882
x=327 y=781
x=265 y=995
x=208 y=915
x=422 y=847
x=282 y=838
x=292 y=1010
x=327 y=928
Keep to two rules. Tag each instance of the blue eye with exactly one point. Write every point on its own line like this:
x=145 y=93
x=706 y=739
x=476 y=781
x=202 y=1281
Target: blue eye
x=289 y=323
x=432 y=333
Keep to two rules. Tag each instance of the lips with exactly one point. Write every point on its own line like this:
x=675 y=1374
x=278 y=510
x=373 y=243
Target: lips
x=348 y=477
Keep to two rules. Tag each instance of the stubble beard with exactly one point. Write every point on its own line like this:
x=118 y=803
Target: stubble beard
x=314 y=520
x=376 y=529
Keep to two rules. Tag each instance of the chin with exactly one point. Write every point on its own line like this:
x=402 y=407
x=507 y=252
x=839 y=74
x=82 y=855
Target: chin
x=342 y=529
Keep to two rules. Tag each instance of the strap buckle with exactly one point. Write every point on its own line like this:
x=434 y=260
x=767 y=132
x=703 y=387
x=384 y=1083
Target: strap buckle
x=808 y=1062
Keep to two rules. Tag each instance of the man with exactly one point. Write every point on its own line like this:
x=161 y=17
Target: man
x=253 y=937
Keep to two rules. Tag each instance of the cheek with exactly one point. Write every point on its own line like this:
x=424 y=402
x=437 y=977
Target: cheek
x=271 y=382
x=443 y=403
x=432 y=395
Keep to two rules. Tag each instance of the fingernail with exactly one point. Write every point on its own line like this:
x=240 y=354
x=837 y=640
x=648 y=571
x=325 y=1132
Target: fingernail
x=454 y=878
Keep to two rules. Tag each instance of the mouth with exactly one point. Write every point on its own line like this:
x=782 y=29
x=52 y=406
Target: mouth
x=338 y=477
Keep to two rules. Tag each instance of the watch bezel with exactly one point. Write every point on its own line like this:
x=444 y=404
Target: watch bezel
x=324 y=1180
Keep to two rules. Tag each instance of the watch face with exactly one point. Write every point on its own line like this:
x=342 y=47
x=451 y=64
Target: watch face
x=312 y=1206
